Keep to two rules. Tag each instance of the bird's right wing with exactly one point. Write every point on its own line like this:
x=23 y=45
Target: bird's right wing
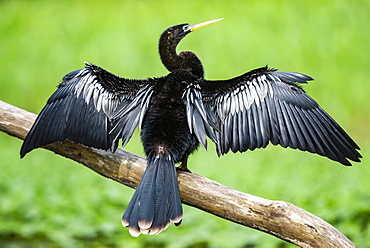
x=266 y=105
x=92 y=107
x=201 y=120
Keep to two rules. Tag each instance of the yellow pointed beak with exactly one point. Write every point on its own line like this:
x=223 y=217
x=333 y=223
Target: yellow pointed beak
x=203 y=24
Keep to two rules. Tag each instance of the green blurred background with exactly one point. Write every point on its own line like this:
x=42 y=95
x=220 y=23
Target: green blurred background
x=49 y=201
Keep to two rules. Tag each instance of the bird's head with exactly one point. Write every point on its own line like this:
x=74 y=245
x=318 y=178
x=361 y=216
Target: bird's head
x=186 y=60
x=178 y=32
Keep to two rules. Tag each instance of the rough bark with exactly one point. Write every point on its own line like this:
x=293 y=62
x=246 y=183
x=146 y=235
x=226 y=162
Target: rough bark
x=281 y=219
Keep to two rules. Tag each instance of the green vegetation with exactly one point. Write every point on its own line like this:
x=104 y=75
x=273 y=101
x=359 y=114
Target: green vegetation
x=49 y=201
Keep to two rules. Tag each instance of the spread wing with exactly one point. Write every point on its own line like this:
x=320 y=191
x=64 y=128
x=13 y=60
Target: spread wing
x=201 y=120
x=266 y=105
x=92 y=107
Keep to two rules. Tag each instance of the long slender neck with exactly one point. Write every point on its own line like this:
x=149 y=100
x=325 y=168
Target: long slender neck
x=172 y=61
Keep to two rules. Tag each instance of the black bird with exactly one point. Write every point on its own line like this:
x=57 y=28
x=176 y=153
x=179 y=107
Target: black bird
x=176 y=113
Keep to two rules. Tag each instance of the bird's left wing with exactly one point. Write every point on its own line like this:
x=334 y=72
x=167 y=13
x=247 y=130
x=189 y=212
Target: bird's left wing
x=266 y=105
x=92 y=107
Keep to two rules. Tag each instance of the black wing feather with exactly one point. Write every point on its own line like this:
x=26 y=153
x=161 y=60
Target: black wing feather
x=82 y=110
x=201 y=120
x=265 y=106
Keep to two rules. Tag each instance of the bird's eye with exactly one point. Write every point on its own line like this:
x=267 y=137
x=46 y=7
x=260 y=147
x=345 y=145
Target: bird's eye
x=186 y=28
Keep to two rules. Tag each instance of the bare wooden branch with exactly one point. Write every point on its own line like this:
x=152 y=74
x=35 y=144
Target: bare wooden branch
x=278 y=218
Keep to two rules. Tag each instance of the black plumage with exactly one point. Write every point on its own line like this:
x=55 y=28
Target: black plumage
x=176 y=113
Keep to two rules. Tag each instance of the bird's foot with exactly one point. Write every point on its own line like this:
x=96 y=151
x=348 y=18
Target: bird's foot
x=183 y=167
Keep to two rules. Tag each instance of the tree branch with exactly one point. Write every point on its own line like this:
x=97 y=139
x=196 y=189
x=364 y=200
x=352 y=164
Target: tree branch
x=281 y=219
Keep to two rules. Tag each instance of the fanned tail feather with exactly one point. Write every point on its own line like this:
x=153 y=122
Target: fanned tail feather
x=156 y=201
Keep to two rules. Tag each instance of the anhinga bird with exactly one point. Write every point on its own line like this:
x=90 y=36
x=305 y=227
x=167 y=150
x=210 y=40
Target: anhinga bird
x=176 y=113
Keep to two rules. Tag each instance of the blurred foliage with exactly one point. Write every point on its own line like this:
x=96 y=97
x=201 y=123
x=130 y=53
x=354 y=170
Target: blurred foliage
x=49 y=201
